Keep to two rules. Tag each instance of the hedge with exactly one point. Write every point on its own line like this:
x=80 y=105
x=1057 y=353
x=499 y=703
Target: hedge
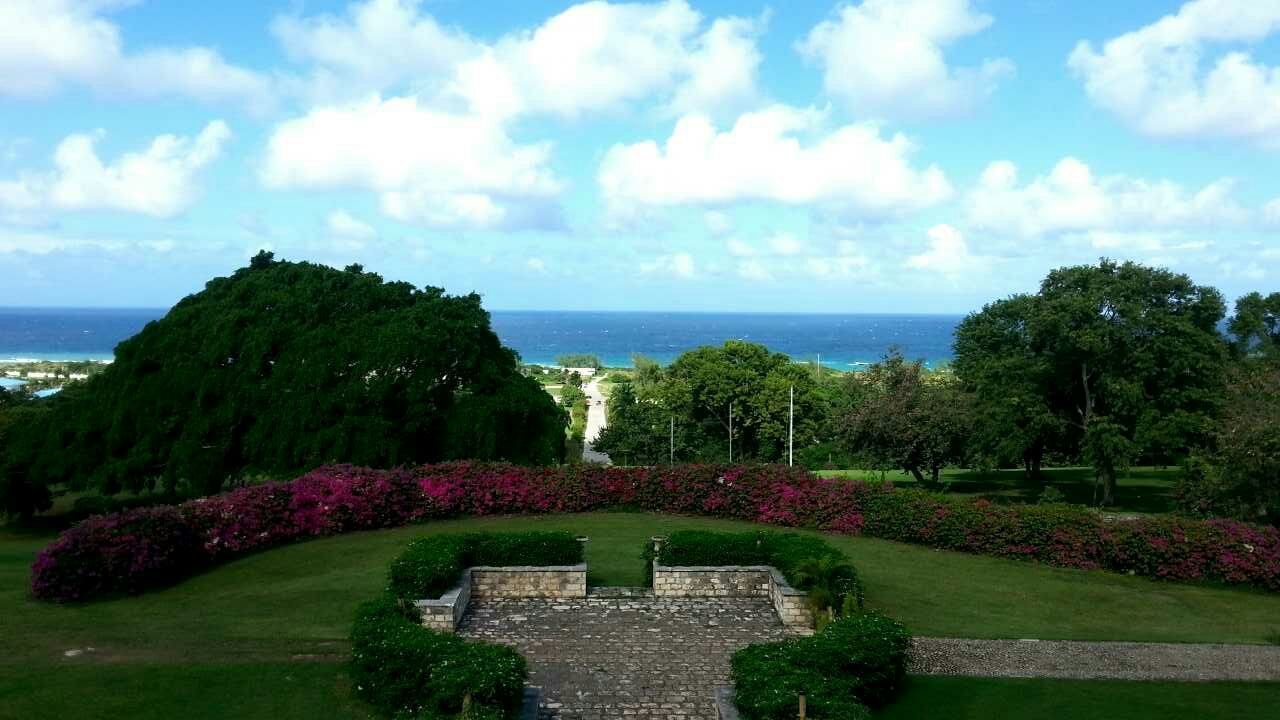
x=338 y=499
x=853 y=664
x=406 y=670
x=807 y=562
x=430 y=566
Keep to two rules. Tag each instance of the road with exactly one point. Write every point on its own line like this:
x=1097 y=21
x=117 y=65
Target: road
x=596 y=420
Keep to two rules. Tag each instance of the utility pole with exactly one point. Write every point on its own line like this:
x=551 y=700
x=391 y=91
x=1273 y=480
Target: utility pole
x=731 y=433
x=672 y=457
x=791 y=429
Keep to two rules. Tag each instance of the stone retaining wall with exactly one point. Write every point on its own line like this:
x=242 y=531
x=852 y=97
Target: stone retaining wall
x=551 y=581
x=735 y=581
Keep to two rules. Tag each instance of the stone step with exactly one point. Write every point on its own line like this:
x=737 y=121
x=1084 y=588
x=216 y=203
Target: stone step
x=620 y=592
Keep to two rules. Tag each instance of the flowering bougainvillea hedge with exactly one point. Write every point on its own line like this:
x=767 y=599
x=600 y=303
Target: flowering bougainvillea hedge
x=137 y=549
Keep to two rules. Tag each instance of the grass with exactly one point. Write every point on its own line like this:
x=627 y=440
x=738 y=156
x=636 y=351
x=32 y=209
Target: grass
x=265 y=636
x=982 y=698
x=1141 y=490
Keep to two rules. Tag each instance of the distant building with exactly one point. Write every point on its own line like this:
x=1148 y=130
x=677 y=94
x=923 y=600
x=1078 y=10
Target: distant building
x=12 y=373
x=582 y=372
x=79 y=376
x=37 y=375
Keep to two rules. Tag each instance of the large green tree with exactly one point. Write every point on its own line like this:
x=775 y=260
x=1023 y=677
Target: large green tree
x=1238 y=473
x=283 y=366
x=902 y=417
x=1121 y=359
x=698 y=390
x=1255 y=326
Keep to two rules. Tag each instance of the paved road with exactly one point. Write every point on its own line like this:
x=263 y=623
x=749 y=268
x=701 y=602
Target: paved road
x=596 y=420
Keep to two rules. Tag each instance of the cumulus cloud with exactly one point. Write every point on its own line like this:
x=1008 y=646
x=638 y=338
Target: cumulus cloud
x=1159 y=80
x=679 y=265
x=373 y=46
x=428 y=166
x=885 y=58
x=593 y=56
x=780 y=154
x=349 y=232
x=159 y=181
x=1072 y=198
x=947 y=254
x=54 y=43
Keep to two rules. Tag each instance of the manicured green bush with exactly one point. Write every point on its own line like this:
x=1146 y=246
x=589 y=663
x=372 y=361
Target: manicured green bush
x=430 y=566
x=807 y=562
x=855 y=663
x=406 y=670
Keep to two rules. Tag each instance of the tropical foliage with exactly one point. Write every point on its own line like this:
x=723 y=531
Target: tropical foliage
x=282 y=367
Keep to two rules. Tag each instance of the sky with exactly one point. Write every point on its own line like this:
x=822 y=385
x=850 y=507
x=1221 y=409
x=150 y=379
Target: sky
x=872 y=156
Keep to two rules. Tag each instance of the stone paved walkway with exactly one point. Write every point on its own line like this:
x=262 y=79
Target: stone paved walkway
x=602 y=657
x=1094 y=660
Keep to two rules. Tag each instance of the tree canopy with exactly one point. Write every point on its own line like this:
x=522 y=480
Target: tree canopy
x=1120 y=360
x=283 y=366
x=698 y=389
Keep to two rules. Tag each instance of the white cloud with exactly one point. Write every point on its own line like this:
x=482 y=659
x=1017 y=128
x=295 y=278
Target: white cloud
x=719 y=223
x=1156 y=78
x=349 y=232
x=739 y=248
x=52 y=43
x=537 y=265
x=158 y=181
x=722 y=68
x=778 y=154
x=1072 y=198
x=429 y=166
x=948 y=254
x=376 y=45
x=785 y=243
x=1271 y=212
x=593 y=56
x=680 y=265
x=753 y=269
x=884 y=58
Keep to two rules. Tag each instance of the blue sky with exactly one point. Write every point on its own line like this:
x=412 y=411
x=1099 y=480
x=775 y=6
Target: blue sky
x=874 y=156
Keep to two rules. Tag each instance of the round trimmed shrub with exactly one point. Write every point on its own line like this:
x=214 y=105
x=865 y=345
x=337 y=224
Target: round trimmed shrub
x=855 y=663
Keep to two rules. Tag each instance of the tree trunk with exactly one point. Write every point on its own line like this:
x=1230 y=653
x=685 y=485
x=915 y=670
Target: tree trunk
x=935 y=470
x=915 y=473
x=1108 y=475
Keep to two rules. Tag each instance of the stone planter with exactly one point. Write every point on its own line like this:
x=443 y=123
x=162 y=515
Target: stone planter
x=550 y=581
x=735 y=581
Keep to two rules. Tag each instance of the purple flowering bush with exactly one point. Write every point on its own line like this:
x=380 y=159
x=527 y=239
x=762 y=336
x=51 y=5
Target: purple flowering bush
x=132 y=551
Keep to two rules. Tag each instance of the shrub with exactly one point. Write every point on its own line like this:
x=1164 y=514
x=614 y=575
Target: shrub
x=430 y=566
x=807 y=562
x=128 y=552
x=339 y=499
x=853 y=664
x=406 y=670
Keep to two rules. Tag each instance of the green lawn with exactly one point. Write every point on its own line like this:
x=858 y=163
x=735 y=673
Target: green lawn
x=265 y=636
x=1141 y=490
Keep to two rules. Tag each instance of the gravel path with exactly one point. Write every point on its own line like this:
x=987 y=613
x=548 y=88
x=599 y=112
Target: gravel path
x=596 y=420
x=1094 y=660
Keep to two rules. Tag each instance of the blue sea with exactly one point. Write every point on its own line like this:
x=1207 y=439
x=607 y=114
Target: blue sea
x=843 y=342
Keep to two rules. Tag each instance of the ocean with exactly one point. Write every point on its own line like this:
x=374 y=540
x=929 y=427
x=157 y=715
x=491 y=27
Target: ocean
x=844 y=342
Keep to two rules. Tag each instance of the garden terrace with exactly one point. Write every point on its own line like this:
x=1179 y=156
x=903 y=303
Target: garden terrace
x=265 y=635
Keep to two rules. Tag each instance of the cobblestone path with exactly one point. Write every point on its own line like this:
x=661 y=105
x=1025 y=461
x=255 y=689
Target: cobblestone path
x=636 y=656
x=1094 y=660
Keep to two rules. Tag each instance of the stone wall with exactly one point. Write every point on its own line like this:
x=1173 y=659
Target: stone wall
x=552 y=581
x=735 y=581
